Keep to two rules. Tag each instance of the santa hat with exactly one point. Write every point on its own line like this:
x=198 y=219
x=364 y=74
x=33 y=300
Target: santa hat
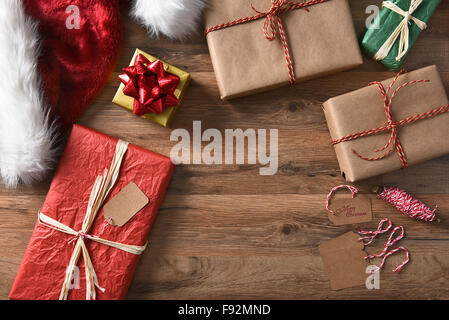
x=55 y=58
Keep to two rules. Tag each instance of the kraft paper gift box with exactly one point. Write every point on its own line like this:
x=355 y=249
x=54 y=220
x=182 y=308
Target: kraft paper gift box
x=321 y=41
x=88 y=152
x=389 y=20
x=167 y=115
x=363 y=110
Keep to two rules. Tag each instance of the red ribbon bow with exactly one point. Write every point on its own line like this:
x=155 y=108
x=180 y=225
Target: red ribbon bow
x=150 y=85
x=392 y=126
x=272 y=16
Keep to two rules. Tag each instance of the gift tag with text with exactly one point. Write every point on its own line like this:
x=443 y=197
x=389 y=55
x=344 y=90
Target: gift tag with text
x=344 y=261
x=350 y=210
x=124 y=205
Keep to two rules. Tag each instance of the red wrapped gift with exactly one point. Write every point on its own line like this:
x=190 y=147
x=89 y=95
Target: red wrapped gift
x=110 y=252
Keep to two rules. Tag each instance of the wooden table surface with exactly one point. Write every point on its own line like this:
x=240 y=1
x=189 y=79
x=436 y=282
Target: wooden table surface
x=224 y=231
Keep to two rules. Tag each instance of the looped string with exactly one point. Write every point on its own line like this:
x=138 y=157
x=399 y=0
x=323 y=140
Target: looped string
x=272 y=17
x=371 y=235
x=392 y=126
x=353 y=190
x=385 y=253
x=103 y=184
x=402 y=30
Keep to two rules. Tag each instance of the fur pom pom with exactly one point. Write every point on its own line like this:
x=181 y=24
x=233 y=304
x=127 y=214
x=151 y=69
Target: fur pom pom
x=26 y=133
x=175 y=19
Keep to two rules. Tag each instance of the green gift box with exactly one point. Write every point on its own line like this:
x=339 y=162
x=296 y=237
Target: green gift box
x=400 y=23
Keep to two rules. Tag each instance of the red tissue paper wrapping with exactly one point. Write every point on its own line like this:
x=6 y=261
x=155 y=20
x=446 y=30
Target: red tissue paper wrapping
x=47 y=256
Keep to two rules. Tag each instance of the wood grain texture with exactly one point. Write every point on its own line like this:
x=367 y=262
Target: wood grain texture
x=224 y=231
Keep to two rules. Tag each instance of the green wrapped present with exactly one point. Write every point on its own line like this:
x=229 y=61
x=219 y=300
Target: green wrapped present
x=400 y=23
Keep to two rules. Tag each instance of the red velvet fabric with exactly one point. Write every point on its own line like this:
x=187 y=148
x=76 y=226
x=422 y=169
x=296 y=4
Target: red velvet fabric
x=76 y=63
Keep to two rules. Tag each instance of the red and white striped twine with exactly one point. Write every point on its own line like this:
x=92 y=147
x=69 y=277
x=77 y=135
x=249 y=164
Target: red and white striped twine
x=393 y=141
x=353 y=190
x=407 y=204
x=384 y=254
x=272 y=17
x=371 y=235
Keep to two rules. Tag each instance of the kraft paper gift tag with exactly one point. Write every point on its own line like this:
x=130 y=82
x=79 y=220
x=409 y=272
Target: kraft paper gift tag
x=344 y=261
x=349 y=210
x=124 y=205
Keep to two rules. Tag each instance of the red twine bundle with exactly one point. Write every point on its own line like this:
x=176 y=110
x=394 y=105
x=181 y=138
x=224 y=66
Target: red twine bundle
x=384 y=254
x=407 y=204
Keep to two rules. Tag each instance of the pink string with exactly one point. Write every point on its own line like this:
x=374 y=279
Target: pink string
x=370 y=235
x=407 y=204
x=353 y=190
x=103 y=226
x=384 y=254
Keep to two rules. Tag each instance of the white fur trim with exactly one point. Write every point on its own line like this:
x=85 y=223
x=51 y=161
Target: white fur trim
x=175 y=19
x=26 y=134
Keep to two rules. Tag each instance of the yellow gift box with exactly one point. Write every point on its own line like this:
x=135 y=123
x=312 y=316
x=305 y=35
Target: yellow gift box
x=167 y=114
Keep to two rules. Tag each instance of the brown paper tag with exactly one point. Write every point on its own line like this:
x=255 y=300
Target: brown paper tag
x=344 y=261
x=350 y=210
x=124 y=205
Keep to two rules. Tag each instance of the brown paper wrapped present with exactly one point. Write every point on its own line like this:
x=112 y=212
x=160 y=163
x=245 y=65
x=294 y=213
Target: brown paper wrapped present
x=319 y=38
x=368 y=143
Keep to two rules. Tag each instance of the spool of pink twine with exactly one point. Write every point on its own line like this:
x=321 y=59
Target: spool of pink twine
x=406 y=203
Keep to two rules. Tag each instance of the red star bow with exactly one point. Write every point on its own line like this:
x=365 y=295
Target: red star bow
x=150 y=85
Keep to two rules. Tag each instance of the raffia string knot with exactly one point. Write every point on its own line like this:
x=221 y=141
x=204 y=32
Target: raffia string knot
x=81 y=234
x=393 y=142
x=103 y=184
x=402 y=30
x=407 y=16
x=272 y=18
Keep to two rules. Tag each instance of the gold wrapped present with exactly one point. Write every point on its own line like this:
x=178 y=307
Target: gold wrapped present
x=166 y=115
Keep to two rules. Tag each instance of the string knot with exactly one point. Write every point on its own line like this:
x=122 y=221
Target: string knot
x=407 y=16
x=269 y=26
x=273 y=18
x=391 y=124
x=371 y=235
x=81 y=235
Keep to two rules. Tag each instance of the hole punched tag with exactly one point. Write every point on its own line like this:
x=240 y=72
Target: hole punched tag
x=124 y=205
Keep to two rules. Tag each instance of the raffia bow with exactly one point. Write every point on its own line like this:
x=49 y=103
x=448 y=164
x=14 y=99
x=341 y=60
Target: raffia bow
x=103 y=184
x=401 y=31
